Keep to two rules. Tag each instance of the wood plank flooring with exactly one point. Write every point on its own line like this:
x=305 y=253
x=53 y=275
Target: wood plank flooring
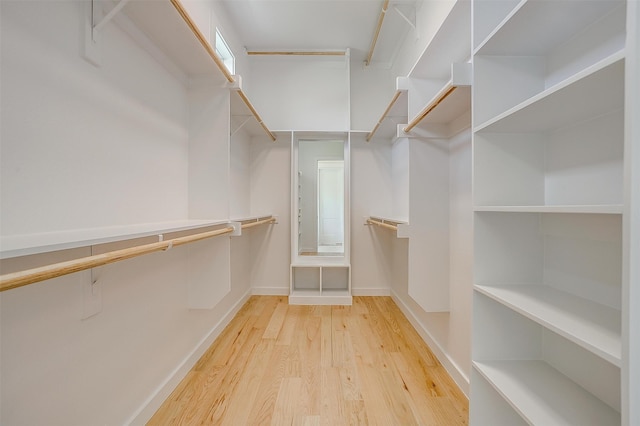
x=316 y=365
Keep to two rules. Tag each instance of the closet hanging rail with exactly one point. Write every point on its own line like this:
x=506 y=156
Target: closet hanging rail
x=203 y=41
x=384 y=114
x=297 y=53
x=258 y=222
x=223 y=69
x=383 y=12
x=446 y=91
x=31 y=276
x=372 y=221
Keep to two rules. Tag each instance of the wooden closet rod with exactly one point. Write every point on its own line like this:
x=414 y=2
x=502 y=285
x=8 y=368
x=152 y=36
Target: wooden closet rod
x=298 y=53
x=203 y=41
x=382 y=224
x=211 y=51
x=384 y=114
x=255 y=114
x=385 y=5
x=30 y=276
x=259 y=222
x=448 y=89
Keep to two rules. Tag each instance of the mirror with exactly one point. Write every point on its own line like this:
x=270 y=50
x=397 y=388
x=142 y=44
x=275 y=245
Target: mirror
x=321 y=197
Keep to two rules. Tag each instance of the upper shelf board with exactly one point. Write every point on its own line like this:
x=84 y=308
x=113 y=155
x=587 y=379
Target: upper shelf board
x=28 y=244
x=596 y=90
x=450 y=108
x=521 y=34
x=162 y=24
x=450 y=44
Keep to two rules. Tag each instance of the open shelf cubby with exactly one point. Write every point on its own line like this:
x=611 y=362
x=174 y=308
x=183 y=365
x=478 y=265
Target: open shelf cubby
x=320 y=284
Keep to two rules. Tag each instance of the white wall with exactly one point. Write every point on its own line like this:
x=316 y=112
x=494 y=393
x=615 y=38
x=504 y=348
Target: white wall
x=240 y=176
x=309 y=92
x=75 y=138
x=447 y=333
x=371 y=90
x=400 y=179
x=461 y=250
x=429 y=223
x=270 y=193
x=83 y=147
x=371 y=194
x=209 y=157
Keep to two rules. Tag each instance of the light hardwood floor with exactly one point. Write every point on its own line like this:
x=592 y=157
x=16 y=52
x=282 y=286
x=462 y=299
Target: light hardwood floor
x=317 y=365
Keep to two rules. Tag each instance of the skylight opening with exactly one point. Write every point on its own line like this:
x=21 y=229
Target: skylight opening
x=223 y=51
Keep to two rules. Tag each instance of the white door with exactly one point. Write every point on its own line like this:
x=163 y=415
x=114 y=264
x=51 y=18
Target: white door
x=331 y=203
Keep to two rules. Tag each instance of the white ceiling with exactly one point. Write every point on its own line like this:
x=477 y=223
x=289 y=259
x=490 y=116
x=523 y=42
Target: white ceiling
x=321 y=25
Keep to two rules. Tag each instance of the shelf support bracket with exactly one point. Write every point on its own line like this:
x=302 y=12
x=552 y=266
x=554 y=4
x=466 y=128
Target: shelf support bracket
x=410 y=21
x=246 y=120
x=105 y=20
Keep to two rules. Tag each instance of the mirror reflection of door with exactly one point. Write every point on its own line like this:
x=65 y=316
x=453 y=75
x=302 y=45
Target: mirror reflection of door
x=320 y=201
x=330 y=206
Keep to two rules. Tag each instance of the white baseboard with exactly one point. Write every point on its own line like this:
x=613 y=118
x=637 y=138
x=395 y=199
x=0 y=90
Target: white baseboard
x=282 y=291
x=371 y=291
x=270 y=291
x=461 y=379
x=155 y=400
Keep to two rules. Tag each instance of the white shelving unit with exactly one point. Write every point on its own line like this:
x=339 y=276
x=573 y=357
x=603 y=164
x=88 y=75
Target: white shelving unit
x=320 y=285
x=549 y=179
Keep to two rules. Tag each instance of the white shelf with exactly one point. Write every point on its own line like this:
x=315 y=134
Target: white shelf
x=450 y=44
x=28 y=244
x=587 y=209
x=163 y=25
x=597 y=90
x=452 y=107
x=521 y=34
x=590 y=325
x=544 y=396
x=402 y=226
x=250 y=218
x=389 y=220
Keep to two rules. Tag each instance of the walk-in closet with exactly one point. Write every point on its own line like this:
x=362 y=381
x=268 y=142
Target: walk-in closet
x=316 y=212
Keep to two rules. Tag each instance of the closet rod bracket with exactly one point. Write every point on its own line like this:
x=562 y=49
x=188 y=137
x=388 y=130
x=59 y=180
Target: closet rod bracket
x=236 y=84
x=97 y=26
x=237 y=229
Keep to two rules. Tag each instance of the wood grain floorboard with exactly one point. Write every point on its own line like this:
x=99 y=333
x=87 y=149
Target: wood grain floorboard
x=276 y=364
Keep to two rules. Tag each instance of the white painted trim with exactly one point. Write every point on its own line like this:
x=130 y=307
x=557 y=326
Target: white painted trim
x=318 y=300
x=155 y=400
x=458 y=375
x=270 y=291
x=371 y=291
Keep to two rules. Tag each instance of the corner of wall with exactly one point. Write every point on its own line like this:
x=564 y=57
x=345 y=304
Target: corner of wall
x=458 y=375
